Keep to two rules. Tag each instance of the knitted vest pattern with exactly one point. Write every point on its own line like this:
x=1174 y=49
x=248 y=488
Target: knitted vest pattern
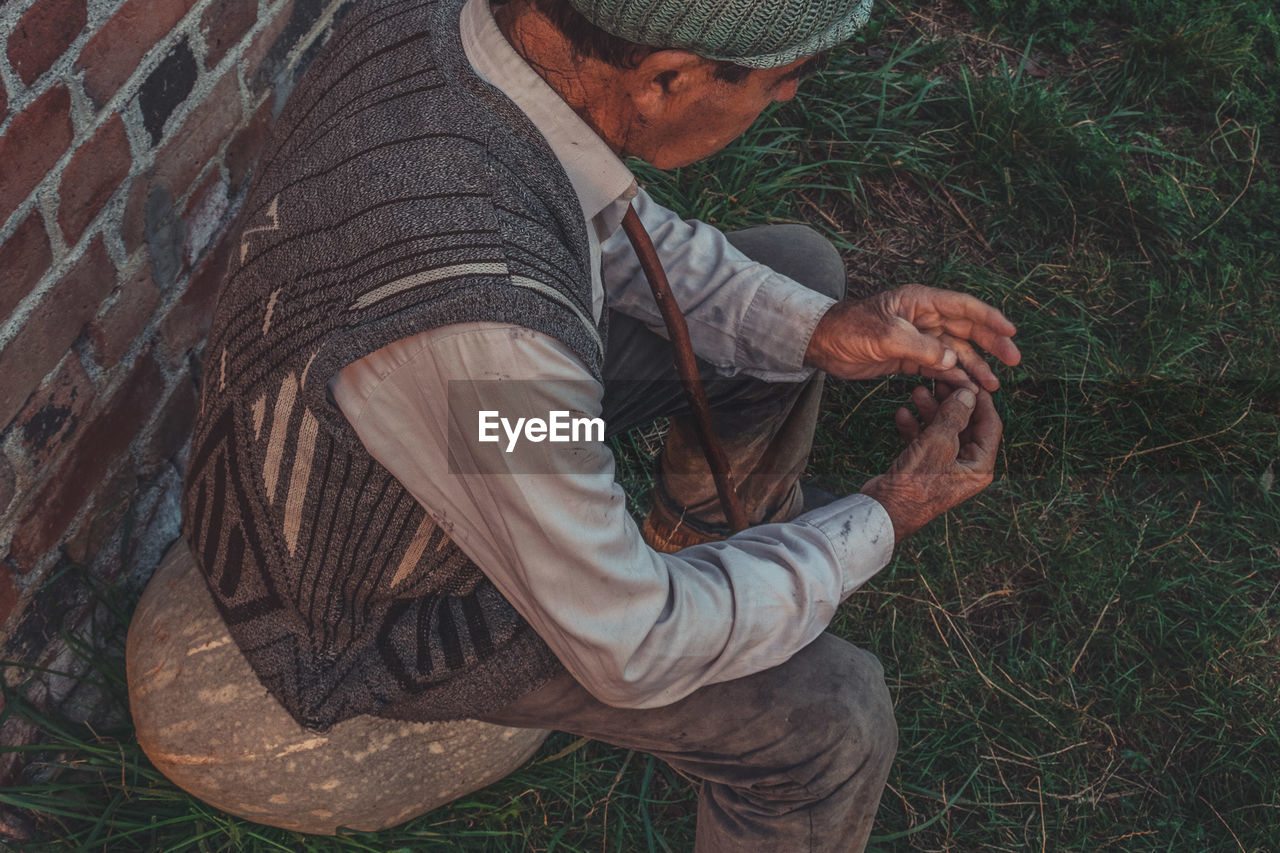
x=401 y=194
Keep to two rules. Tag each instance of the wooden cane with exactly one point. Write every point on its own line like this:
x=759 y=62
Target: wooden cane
x=687 y=367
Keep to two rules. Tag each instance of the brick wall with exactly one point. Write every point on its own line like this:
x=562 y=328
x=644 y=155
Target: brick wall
x=128 y=129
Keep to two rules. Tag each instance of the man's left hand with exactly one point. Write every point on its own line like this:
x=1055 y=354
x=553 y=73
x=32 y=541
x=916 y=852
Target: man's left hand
x=913 y=329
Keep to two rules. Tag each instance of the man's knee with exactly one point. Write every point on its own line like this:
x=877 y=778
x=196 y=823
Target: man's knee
x=798 y=252
x=847 y=716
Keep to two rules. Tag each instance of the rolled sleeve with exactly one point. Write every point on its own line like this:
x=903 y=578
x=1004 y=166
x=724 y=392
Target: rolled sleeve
x=861 y=536
x=777 y=326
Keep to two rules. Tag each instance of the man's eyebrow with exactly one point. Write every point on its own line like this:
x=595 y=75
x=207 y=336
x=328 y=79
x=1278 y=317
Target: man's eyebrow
x=812 y=66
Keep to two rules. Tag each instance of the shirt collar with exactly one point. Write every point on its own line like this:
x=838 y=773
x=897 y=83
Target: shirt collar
x=599 y=177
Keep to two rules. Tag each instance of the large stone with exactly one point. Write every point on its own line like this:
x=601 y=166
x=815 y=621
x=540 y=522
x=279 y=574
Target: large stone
x=209 y=725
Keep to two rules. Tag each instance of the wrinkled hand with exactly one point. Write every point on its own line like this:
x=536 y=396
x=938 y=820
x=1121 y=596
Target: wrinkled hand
x=949 y=459
x=913 y=329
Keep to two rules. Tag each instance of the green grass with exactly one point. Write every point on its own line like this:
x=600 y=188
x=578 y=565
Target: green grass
x=1085 y=656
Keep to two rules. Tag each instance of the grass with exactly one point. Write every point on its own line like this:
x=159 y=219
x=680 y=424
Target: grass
x=1085 y=656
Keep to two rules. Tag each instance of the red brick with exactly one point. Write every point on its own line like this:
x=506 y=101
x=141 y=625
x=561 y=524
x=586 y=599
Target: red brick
x=246 y=147
x=34 y=141
x=188 y=321
x=93 y=174
x=52 y=327
x=107 y=508
x=103 y=440
x=200 y=197
x=203 y=215
x=8 y=593
x=116 y=50
x=43 y=34
x=114 y=333
x=24 y=257
x=224 y=23
x=173 y=427
x=195 y=144
x=53 y=414
x=262 y=43
x=6 y=487
x=133 y=228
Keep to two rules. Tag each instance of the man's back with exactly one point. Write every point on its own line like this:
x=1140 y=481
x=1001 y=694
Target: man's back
x=401 y=196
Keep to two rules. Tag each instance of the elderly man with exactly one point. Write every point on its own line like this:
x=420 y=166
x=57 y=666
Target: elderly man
x=434 y=239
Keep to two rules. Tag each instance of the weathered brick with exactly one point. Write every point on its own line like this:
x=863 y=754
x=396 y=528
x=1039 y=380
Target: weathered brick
x=165 y=237
x=36 y=138
x=203 y=216
x=106 y=508
x=149 y=219
x=15 y=731
x=6 y=486
x=103 y=440
x=8 y=593
x=4 y=101
x=24 y=257
x=166 y=87
x=172 y=428
x=187 y=323
x=256 y=70
x=53 y=606
x=117 y=48
x=247 y=146
x=183 y=157
x=43 y=33
x=224 y=23
x=93 y=174
x=52 y=327
x=114 y=333
x=52 y=416
x=133 y=226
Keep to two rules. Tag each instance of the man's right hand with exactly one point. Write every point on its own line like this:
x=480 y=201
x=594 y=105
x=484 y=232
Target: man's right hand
x=951 y=457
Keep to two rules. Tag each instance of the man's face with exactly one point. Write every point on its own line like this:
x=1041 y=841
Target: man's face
x=709 y=113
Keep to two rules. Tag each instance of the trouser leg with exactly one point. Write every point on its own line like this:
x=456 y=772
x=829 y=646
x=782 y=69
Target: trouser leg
x=790 y=759
x=766 y=428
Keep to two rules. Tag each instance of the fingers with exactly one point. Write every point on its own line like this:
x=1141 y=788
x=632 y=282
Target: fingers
x=908 y=426
x=935 y=473
x=983 y=436
x=1001 y=346
x=911 y=346
x=956 y=376
x=926 y=404
x=979 y=427
x=973 y=364
x=962 y=307
x=965 y=317
x=953 y=414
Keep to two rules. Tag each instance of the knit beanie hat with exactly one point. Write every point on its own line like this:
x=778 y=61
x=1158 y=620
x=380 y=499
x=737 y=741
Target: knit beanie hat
x=753 y=33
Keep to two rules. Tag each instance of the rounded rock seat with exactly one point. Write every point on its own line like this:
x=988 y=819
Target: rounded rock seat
x=206 y=722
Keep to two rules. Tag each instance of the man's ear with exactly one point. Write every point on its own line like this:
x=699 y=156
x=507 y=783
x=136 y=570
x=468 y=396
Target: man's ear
x=665 y=78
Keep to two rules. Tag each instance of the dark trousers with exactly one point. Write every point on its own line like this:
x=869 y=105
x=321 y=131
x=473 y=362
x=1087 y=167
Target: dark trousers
x=793 y=758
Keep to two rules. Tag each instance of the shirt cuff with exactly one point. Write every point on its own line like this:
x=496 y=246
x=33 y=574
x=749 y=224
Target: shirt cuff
x=778 y=324
x=861 y=535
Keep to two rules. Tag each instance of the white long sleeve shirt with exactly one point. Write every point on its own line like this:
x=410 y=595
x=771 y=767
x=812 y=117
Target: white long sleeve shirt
x=635 y=627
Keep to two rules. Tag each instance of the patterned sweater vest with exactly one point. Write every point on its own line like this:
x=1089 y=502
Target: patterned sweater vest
x=402 y=193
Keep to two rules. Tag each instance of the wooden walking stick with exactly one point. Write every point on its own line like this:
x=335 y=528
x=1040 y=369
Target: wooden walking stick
x=687 y=367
